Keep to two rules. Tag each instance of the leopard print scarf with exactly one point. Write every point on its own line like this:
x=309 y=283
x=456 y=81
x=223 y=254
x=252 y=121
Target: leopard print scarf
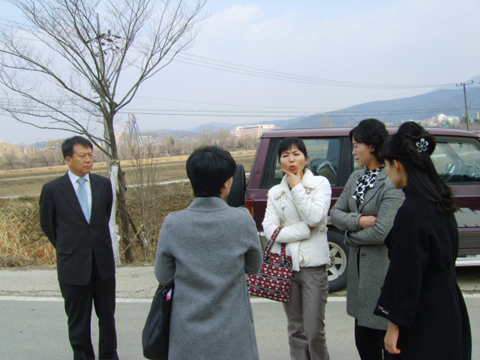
x=365 y=183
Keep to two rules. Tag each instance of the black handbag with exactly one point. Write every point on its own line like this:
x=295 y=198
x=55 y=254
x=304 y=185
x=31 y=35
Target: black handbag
x=155 y=335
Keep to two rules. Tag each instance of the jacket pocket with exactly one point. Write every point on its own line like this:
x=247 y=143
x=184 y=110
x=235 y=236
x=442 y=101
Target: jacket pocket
x=64 y=250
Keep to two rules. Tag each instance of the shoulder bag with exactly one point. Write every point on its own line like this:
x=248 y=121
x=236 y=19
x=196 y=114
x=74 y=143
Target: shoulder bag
x=155 y=335
x=275 y=278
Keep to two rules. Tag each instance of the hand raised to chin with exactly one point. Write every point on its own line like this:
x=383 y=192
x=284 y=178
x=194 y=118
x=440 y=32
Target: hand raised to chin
x=294 y=179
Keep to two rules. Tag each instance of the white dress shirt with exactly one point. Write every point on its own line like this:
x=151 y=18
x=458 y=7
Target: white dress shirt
x=74 y=179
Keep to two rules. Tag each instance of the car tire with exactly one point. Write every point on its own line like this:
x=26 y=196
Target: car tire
x=337 y=272
x=236 y=197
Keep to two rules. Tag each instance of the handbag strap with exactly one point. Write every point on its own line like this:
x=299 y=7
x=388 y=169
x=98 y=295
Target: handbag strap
x=272 y=240
x=284 y=254
x=266 y=255
x=163 y=291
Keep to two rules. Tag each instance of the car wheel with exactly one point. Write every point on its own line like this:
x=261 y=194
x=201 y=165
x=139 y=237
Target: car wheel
x=236 y=197
x=337 y=272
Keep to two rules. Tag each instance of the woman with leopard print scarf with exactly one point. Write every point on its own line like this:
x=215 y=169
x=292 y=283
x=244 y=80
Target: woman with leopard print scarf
x=365 y=211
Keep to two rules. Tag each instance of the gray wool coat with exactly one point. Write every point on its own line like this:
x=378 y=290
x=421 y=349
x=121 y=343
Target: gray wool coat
x=206 y=250
x=368 y=256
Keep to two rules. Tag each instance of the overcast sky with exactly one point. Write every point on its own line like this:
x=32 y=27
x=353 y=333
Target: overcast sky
x=330 y=54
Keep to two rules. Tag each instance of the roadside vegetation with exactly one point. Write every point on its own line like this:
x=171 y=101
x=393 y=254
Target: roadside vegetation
x=22 y=242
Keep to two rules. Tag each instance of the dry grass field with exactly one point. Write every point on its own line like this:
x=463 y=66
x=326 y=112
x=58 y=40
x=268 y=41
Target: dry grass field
x=29 y=182
x=22 y=242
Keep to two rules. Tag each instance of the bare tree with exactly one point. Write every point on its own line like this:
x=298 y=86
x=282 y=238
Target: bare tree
x=78 y=63
x=145 y=176
x=206 y=137
x=225 y=139
x=248 y=143
x=9 y=159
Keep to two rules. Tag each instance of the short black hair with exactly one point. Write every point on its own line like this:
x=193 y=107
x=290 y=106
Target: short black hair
x=287 y=143
x=67 y=145
x=370 y=132
x=208 y=168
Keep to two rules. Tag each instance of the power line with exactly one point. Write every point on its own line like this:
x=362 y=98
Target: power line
x=284 y=115
x=20 y=101
x=213 y=63
x=72 y=107
x=226 y=113
x=230 y=67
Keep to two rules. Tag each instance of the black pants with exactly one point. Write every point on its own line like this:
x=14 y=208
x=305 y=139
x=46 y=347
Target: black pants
x=78 y=306
x=370 y=343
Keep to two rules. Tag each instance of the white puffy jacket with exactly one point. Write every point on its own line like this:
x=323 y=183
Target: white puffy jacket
x=305 y=205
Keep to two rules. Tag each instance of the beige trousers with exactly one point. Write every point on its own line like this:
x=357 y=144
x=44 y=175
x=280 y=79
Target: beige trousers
x=306 y=314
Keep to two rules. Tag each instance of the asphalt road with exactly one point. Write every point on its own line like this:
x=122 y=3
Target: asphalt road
x=33 y=322
x=37 y=330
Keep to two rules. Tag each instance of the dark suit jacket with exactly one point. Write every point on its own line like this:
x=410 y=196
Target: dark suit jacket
x=78 y=243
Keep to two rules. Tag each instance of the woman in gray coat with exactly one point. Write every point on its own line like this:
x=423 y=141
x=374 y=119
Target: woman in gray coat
x=365 y=211
x=205 y=250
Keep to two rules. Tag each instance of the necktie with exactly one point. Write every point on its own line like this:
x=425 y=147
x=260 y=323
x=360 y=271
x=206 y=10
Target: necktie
x=82 y=198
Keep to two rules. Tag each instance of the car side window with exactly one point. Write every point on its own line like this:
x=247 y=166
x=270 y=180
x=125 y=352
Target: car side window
x=323 y=157
x=457 y=160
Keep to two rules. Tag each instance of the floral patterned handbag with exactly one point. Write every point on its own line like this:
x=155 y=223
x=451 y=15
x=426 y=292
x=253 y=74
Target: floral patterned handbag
x=275 y=278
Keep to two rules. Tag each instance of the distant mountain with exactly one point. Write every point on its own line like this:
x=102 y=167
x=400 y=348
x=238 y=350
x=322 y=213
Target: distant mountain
x=448 y=102
x=441 y=101
x=224 y=126
x=173 y=133
x=215 y=126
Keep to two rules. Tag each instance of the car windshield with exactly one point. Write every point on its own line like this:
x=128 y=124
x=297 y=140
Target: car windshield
x=457 y=160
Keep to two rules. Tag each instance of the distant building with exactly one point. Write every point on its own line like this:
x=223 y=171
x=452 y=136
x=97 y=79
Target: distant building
x=251 y=130
x=443 y=119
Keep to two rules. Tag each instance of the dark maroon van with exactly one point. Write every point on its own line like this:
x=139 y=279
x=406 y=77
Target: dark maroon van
x=456 y=158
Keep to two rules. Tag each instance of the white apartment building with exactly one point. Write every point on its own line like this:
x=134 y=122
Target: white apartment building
x=443 y=119
x=251 y=130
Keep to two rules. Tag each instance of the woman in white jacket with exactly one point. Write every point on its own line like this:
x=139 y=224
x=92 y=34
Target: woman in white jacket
x=300 y=205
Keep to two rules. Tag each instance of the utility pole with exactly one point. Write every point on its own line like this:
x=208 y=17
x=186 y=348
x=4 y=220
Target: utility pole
x=466 y=103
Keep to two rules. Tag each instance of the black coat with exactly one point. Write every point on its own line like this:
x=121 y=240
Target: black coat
x=420 y=293
x=78 y=243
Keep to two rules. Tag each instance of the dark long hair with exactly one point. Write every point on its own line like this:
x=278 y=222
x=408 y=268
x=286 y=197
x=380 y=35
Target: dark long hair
x=412 y=146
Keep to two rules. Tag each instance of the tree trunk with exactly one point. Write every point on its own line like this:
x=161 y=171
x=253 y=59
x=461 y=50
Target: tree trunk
x=122 y=187
x=122 y=206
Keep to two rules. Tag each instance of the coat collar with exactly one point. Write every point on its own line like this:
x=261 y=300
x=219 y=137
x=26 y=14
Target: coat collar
x=213 y=203
x=308 y=181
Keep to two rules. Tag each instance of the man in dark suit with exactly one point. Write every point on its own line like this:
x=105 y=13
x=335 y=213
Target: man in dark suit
x=74 y=213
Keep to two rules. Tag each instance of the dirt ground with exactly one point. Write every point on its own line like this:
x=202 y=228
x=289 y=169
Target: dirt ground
x=29 y=182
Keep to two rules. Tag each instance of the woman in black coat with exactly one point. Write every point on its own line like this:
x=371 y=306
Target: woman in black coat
x=420 y=297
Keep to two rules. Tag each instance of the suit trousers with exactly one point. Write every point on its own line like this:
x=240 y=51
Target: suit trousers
x=306 y=314
x=78 y=305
